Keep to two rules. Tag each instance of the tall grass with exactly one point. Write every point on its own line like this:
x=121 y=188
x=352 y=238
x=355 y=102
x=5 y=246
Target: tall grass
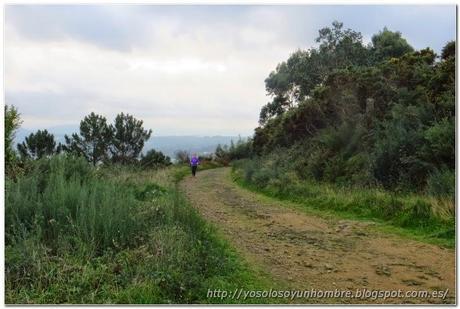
x=76 y=234
x=61 y=201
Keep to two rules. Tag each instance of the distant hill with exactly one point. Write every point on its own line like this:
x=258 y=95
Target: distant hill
x=166 y=144
x=199 y=144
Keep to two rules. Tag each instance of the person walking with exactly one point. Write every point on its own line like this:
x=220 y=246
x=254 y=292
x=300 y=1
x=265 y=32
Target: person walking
x=194 y=162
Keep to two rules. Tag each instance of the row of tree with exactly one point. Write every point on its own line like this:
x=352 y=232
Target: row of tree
x=120 y=142
x=97 y=141
x=377 y=114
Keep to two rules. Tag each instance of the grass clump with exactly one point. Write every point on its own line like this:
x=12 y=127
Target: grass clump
x=61 y=201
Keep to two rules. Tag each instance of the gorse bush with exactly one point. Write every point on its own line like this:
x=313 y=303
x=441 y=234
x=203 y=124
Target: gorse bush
x=350 y=114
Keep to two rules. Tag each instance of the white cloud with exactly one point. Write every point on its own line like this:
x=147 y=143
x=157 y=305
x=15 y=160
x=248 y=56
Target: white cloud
x=176 y=66
x=183 y=70
x=191 y=79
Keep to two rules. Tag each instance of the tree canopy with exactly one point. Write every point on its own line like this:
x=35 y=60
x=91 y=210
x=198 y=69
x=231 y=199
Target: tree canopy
x=295 y=79
x=39 y=145
x=93 y=140
x=98 y=141
x=12 y=123
x=128 y=138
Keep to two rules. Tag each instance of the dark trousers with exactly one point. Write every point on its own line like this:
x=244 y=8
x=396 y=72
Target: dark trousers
x=194 y=169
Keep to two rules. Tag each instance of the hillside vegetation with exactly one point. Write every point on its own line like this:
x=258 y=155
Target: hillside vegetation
x=76 y=234
x=367 y=130
x=96 y=221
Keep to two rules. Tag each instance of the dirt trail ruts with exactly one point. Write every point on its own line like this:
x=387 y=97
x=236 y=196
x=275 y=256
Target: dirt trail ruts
x=302 y=251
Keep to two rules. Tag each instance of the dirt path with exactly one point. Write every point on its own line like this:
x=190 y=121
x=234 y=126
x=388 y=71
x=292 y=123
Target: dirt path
x=308 y=252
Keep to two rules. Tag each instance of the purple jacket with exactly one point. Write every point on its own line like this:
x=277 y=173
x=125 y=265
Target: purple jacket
x=194 y=161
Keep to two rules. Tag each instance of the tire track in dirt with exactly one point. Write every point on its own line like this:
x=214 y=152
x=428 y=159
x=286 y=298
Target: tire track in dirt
x=304 y=251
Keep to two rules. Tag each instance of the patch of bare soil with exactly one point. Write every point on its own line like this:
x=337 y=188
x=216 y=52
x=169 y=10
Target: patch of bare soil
x=308 y=252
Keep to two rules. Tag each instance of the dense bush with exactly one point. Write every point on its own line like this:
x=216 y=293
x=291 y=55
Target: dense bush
x=236 y=151
x=385 y=118
x=154 y=159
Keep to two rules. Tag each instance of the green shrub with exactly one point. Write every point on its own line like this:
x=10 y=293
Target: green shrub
x=440 y=140
x=154 y=159
x=242 y=149
x=441 y=183
x=61 y=197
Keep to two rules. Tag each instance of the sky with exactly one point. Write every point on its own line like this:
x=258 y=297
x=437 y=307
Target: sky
x=183 y=70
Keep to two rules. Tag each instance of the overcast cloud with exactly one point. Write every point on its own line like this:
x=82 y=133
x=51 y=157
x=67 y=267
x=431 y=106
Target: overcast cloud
x=182 y=69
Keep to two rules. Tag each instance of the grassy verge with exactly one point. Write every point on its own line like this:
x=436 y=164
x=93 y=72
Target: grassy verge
x=75 y=234
x=414 y=216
